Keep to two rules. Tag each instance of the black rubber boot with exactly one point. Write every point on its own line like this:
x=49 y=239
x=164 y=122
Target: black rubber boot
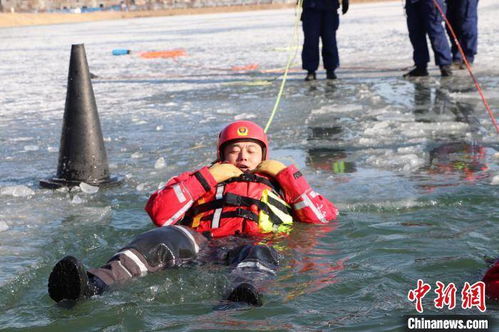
x=246 y=293
x=446 y=71
x=310 y=76
x=419 y=71
x=330 y=75
x=69 y=281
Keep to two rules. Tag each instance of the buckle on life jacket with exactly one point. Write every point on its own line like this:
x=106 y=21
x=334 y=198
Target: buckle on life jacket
x=250 y=177
x=242 y=213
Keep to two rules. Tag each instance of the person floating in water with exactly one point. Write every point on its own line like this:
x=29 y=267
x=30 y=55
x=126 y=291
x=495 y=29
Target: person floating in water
x=215 y=214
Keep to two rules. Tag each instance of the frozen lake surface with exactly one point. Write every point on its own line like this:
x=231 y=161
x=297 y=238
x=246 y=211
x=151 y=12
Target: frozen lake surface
x=413 y=166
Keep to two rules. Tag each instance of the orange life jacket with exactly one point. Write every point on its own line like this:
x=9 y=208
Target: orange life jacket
x=249 y=204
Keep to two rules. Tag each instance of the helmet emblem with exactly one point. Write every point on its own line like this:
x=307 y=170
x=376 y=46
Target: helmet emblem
x=242 y=131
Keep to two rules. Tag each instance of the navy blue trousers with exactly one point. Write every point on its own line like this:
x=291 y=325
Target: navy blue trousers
x=322 y=24
x=423 y=18
x=463 y=17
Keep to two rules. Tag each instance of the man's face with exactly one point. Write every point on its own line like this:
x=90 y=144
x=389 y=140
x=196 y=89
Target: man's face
x=246 y=155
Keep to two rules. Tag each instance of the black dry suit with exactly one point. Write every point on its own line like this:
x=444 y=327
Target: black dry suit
x=170 y=246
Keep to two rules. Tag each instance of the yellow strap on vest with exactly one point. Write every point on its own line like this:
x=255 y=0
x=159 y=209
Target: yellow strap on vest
x=265 y=224
x=197 y=219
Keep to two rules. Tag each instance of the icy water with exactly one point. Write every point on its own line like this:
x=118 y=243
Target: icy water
x=412 y=165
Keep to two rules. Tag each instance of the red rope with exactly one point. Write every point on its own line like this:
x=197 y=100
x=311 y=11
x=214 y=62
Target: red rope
x=468 y=66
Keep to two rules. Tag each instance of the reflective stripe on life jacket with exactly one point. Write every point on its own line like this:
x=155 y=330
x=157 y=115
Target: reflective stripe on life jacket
x=277 y=208
x=273 y=215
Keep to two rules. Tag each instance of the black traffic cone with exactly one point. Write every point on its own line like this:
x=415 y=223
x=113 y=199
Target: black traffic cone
x=82 y=155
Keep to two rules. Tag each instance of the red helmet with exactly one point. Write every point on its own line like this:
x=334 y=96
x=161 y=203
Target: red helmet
x=242 y=131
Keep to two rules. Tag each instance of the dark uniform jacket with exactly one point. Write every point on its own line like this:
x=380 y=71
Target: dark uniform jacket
x=321 y=4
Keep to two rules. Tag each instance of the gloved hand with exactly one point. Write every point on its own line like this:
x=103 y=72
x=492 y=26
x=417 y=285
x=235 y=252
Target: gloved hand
x=270 y=167
x=224 y=171
x=344 y=6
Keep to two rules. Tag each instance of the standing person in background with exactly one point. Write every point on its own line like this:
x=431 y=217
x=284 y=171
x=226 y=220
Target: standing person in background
x=423 y=18
x=320 y=19
x=463 y=17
